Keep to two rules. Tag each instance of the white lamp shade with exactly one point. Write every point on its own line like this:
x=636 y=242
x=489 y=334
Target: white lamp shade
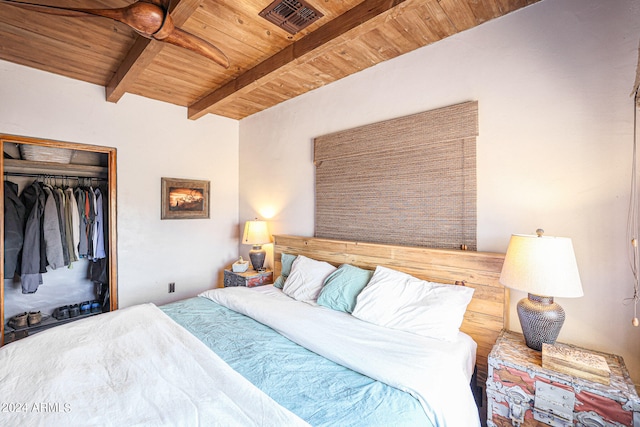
x=541 y=265
x=256 y=233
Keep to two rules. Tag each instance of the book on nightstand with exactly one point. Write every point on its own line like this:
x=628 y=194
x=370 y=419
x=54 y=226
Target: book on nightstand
x=573 y=361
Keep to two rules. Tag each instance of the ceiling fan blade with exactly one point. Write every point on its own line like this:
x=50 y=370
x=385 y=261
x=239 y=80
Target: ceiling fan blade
x=149 y=18
x=195 y=44
x=143 y=16
x=51 y=10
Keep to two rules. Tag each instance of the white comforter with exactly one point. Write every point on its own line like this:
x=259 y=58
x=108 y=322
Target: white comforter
x=436 y=372
x=134 y=366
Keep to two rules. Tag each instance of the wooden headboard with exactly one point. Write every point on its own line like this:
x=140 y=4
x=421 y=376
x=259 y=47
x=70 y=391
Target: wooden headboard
x=487 y=313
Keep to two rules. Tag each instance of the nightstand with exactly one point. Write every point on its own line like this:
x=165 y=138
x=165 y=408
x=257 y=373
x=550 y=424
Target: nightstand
x=249 y=278
x=520 y=392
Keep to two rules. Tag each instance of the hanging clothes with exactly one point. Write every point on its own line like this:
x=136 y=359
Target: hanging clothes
x=34 y=199
x=68 y=226
x=14 y=221
x=52 y=236
x=90 y=211
x=60 y=204
x=84 y=222
x=99 y=269
x=74 y=222
x=58 y=227
x=98 y=228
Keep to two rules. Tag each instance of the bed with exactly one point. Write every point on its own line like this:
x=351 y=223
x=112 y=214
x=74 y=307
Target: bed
x=206 y=361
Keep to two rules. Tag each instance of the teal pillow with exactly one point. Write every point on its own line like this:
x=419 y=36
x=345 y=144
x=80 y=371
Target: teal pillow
x=279 y=283
x=287 y=262
x=341 y=288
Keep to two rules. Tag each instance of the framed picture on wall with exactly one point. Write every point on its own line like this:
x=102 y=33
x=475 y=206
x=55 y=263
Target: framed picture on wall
x=184 y=199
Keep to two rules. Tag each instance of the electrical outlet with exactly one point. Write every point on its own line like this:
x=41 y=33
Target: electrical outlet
x=172 y=287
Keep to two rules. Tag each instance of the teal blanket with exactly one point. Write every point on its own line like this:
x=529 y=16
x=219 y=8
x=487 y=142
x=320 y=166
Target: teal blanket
x=319 y=391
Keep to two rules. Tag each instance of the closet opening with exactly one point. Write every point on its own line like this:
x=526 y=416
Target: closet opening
x=58 y=234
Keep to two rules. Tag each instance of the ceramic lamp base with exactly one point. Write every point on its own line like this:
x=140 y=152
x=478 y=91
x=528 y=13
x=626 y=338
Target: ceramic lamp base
x=541 y=320
x=257 y=255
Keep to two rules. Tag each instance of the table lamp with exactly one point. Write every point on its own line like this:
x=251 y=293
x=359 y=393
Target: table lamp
x=544 y=267
x=256 y=234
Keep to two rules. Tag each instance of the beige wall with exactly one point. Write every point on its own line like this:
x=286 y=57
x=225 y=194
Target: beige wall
x=554 y=150
x=153 y=140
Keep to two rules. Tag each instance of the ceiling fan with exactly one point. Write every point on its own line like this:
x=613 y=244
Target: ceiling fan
x=149 y=18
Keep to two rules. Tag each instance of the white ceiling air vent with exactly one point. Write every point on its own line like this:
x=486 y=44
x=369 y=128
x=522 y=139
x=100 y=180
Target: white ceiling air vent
x=290 y=15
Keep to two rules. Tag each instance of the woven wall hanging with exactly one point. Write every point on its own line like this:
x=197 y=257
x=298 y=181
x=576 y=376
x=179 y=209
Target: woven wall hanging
x=409 y=181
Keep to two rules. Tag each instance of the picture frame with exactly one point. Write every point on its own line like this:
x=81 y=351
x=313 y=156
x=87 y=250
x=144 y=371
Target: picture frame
x=184 y=199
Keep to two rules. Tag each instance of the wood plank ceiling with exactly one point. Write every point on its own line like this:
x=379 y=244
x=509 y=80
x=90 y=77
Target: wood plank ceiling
x=268 y=64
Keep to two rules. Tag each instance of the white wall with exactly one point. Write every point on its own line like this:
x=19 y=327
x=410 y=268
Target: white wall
x=554 y=150
x=153 y=140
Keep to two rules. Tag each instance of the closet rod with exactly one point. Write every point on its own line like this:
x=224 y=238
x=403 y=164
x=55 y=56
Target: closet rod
x=41 y=175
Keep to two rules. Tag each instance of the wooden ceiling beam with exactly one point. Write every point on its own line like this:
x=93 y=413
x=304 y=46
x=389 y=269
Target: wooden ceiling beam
x=138 y=58
x=353 y=18
x=143 y=52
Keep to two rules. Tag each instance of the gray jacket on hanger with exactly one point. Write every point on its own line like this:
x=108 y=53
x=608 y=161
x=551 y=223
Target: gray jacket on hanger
x=14 y=219
x=52 y=240
x=32 y=262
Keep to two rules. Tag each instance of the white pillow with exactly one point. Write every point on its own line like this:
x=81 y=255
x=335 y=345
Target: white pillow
x=400 y=301
x=306 y=278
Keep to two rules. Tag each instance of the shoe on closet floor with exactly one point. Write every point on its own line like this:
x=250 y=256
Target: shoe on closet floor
x=18 y=321
x=61 y=312
x=34 y=318
x=95 y=307
x=85 y=307
x=74 y=310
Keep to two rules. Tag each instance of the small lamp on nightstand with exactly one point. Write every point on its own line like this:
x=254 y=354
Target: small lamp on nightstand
x=256 y=234
x=544 y=267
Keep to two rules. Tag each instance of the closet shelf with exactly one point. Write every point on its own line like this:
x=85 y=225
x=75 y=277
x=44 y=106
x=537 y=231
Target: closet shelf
x=50 y=168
